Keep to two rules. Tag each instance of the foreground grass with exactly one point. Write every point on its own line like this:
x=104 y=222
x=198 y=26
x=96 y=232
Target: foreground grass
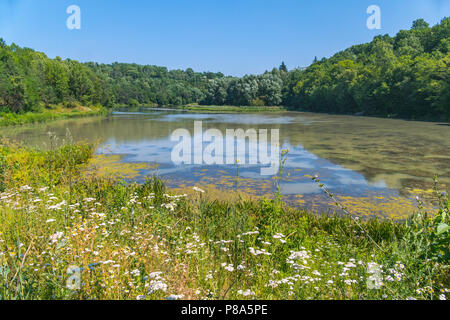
x=65 y=235
x=59 y=112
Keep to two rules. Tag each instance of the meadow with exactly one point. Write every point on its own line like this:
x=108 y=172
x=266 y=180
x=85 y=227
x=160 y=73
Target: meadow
x=68 y=233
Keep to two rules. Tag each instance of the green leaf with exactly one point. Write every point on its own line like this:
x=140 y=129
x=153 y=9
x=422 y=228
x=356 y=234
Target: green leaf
x=442 y=227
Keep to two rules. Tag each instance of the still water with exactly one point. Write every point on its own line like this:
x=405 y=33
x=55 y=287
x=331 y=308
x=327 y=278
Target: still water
x=374 y=166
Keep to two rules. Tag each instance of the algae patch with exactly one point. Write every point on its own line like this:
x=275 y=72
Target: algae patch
x=112 y=166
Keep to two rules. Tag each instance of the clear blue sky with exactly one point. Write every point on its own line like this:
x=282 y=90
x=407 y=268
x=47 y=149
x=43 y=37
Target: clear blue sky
x=235 y=37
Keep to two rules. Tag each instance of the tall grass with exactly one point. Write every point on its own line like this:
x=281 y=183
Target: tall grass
x=66 y=235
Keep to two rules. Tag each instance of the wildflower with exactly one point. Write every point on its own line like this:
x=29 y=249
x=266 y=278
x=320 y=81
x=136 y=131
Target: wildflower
x=57 y=206
x=136 y=272
x=228 y=267
x=156 y=285
x=399 y=265
x=249 y=233
x=208 y=277
x=198 y=190
x=442 y=297
x=170 y=206
x=302 y=255
x=258 y=252
x=246 y=293
x=140 y=298
x=155 y=275
x=55 y=237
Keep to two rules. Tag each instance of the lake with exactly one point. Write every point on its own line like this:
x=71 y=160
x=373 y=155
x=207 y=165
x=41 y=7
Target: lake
x=375 y=167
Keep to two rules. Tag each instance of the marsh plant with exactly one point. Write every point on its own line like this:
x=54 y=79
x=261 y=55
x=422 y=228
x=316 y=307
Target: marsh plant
x=68 y=235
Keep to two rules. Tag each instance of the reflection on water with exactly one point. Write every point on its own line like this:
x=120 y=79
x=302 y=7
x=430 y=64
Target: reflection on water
x=362 y=160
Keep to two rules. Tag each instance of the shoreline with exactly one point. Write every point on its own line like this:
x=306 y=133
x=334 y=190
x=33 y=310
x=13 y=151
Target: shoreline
x=270 y=109
x=265 y=109
x=14 y=120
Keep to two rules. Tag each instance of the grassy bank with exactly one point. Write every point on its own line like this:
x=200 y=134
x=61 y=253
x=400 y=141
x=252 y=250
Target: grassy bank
x=68 y=235
x=58 y=112
x=232 y=109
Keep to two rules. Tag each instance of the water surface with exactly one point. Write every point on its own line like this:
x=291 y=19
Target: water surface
x=374 y=166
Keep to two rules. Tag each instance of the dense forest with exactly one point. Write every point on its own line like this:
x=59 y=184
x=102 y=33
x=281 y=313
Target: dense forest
x=404 y=76
x=132 y=84
x=29 y=81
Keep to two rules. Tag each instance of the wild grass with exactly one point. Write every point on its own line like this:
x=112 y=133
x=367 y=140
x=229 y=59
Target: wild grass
x=59 y=112
x=68 y=235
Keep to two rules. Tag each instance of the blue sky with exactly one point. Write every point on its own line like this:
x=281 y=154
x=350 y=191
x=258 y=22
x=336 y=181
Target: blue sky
x=235 y=37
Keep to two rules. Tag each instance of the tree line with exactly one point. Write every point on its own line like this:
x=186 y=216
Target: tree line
x=402 y=76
